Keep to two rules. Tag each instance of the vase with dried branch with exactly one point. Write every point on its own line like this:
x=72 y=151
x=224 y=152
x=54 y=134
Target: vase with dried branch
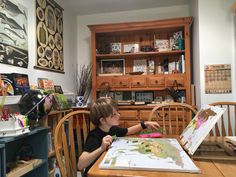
x=83 y=83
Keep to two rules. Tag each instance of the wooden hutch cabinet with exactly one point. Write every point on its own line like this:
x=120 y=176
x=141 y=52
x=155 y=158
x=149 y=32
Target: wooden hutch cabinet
x=141 y=61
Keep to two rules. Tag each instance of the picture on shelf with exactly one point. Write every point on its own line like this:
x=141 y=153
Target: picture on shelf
x=140 y=65
x=130 y=48
x=112 y=67
x=58 y=89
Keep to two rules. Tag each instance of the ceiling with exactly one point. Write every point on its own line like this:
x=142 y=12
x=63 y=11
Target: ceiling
x=85 y=7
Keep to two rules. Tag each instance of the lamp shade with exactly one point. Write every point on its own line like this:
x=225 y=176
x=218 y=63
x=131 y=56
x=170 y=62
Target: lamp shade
x=35 y=104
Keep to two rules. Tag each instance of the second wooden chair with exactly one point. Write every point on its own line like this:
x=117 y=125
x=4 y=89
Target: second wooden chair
x=173 y=117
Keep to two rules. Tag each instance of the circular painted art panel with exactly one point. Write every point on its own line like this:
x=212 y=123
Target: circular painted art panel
x=42 y=34
x=59 y=25
x=51 y=42
x=58 y=41
x=50 y=20
x=42 y=3
x=40 y=14
x=42 y=62
x=40 y=51
x=48 y=53
x=56 y=58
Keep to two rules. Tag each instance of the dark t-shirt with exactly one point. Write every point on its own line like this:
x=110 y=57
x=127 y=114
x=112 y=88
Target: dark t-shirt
x=94 y=139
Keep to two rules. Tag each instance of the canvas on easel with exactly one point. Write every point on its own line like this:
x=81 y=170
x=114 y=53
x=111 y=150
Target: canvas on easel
x=199 y=127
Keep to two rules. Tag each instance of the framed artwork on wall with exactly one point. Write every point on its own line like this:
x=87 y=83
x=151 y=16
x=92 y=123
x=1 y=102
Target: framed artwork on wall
x=49 y=34
x=13 y=34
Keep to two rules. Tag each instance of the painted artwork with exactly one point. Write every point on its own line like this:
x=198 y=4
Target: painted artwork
x=200 y=126
x=148 y=154
x=49 y=20
x=13 y=34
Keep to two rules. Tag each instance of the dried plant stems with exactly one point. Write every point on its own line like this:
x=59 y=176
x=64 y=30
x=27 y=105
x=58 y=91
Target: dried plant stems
x=84 y=81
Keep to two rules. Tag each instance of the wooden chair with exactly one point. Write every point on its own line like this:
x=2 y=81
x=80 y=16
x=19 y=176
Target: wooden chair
x=172 y=117
x=73 y=126
x=225 y=126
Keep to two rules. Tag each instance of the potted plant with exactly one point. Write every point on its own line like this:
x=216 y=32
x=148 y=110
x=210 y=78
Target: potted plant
x=83 y=84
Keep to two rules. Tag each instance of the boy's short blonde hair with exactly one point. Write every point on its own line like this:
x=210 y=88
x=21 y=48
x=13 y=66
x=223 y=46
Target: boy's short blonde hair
x=102 y=107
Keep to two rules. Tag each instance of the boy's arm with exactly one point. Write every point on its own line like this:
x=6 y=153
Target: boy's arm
x=147 y=124
x=86 y=158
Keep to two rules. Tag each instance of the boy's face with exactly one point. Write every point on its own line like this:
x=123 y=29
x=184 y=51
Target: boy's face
x=114 y=119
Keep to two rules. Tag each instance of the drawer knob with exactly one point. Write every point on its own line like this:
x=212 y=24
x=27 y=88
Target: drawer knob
x=138 y=83
x=156 y=81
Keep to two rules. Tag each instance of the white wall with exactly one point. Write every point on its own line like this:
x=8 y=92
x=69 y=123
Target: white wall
x=65 y=80
x=83 y=38
x=216 y=45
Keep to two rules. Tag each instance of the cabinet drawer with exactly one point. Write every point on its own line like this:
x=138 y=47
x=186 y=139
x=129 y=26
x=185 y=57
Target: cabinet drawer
x=156 y=81
x=128 y=114
x=138 y=82
x=144 y=114
x=174 y=81
x=120 y=82
x=103 y=82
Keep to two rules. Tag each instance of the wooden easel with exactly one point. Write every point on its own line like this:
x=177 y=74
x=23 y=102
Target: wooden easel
x=213 y=148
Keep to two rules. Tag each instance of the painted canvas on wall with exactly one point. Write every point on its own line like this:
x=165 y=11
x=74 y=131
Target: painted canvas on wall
x=218 y=79
x=49 y=21
x=152 y=154
x=13 y=34
x=200 y=126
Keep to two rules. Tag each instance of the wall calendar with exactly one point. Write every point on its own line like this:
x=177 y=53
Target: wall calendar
x=218 y=79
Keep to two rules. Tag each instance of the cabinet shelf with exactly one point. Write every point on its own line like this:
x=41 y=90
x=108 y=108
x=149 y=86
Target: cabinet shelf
x=139 y=54
x=23 y=168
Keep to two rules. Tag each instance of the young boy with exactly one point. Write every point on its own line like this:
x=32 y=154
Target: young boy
x=105 y=117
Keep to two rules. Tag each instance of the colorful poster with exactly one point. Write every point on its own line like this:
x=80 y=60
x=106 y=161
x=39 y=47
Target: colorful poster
x=148 y=154
x=13 y=34
x=200 y=126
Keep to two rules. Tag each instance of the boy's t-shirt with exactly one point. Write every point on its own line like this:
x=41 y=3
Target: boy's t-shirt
x=94 y=139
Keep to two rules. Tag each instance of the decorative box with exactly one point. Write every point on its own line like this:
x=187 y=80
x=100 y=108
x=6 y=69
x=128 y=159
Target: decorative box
x=162 y=45
x=131 y=48
x=12 y=127
x=115 y=48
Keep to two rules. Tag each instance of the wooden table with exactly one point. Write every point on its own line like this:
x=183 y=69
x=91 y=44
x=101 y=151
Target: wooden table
x=209 y=168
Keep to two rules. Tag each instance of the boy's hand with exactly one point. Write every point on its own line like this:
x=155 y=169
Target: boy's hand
x=106 y=142
x=152 y=125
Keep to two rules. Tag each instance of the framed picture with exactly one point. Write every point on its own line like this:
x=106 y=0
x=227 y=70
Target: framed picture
x=144 y=96
x=49 y=32
x=130 y=48
x=112 y=67
x=58 y=89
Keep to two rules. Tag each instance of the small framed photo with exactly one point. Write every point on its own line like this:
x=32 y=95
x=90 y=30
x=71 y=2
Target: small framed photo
x=115 y=48
x=58 y=89
x=130 y=48
x=112 y=67
x=146 y=96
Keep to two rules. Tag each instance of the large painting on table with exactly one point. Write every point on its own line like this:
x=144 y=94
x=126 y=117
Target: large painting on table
x=13 y=34
x=49 y=20
x=151 y=154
